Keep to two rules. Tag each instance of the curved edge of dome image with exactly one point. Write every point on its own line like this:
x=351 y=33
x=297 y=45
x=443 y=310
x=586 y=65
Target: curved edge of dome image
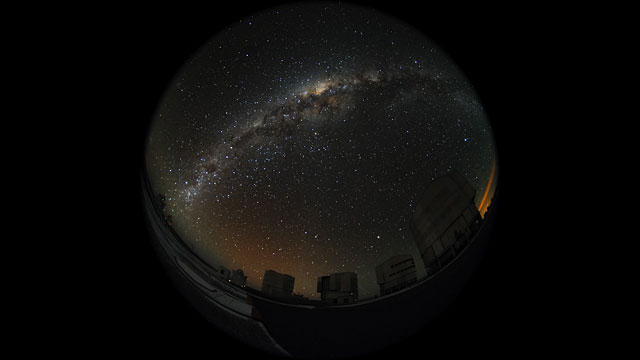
x=299 y=96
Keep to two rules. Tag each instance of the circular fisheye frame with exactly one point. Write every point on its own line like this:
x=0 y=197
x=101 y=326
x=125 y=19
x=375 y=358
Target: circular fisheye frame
x=319 y=180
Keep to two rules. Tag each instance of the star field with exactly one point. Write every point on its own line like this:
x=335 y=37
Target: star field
x=299 y=139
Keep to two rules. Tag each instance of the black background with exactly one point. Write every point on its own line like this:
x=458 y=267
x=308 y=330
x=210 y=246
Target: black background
x=132 y=56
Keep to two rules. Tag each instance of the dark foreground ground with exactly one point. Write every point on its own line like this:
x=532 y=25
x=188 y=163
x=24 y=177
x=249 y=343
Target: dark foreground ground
x=332 y=331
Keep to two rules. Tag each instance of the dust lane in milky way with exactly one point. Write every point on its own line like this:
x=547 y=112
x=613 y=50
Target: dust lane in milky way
x=299 y=139
x=282 y=120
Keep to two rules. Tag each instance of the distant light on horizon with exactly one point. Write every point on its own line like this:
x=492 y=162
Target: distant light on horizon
x=486 y=199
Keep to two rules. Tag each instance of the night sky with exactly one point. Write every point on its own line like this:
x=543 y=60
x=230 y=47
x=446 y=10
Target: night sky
x=299 y=140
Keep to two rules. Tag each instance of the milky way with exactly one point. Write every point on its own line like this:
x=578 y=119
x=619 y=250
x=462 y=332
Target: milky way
x=312 y=108
x=299 y=139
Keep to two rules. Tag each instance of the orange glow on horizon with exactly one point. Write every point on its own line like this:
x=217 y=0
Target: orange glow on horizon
x=484 y=204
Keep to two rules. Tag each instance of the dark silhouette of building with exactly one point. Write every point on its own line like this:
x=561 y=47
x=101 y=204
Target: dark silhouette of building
x=444 y=220
x=223 y=273
x=238 y=278
x=396 y=273
x=339 y=288
x=276 y=284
